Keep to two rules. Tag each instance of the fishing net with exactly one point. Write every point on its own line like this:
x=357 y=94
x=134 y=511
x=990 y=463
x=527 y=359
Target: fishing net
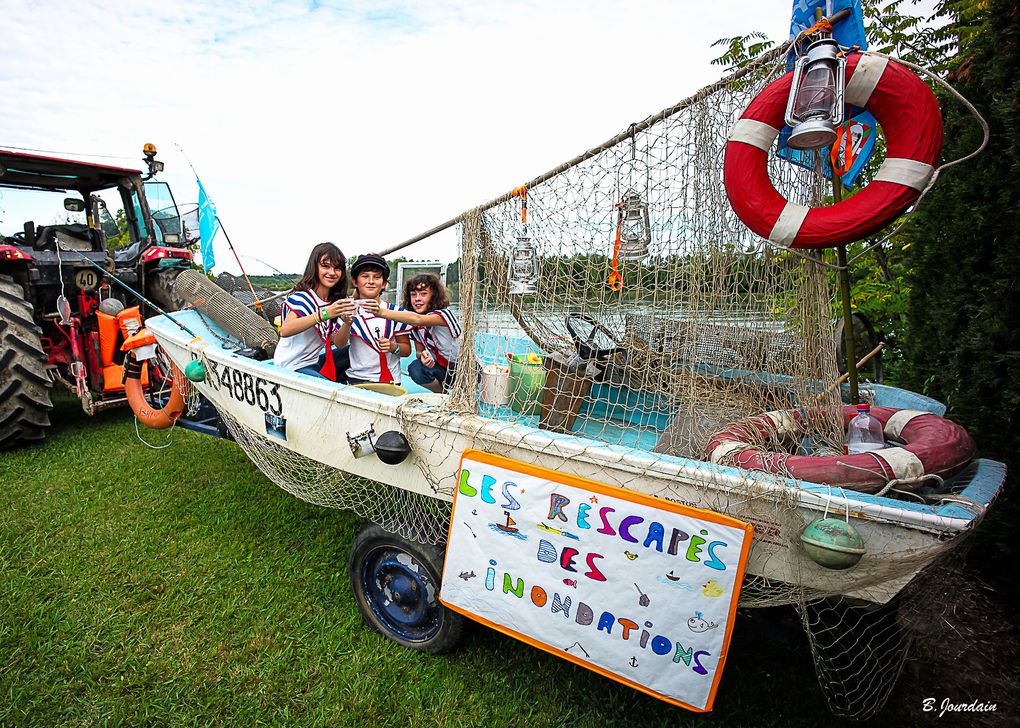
x=631 y=311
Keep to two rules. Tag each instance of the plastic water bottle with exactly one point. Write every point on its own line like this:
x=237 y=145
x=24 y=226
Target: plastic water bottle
x=865 y=432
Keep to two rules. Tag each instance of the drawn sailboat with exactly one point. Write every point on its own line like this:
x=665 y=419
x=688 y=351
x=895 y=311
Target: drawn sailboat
x=510 y=526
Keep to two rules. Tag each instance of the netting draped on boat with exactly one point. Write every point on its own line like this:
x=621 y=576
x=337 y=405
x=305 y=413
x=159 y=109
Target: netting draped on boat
x=413 y=516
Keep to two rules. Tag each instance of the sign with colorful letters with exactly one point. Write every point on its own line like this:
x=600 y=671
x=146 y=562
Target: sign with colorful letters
x=636 y=588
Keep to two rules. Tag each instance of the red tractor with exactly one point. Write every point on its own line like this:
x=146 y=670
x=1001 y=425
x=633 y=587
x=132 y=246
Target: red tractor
x=74 y=238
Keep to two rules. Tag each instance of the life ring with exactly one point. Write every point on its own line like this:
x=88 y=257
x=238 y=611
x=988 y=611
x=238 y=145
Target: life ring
x=932 y=445
x=156 y=419
x=909 y=115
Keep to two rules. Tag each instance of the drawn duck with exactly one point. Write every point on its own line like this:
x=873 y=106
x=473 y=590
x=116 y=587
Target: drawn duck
x=712 y=588
x=629 y=555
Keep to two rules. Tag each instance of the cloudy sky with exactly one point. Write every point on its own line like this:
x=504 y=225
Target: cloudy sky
x=363 y=123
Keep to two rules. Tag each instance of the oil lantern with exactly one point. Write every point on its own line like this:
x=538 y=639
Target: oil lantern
x=815 y=106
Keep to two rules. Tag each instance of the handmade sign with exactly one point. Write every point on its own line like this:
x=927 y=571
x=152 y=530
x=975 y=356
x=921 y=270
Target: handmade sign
x=636 y=588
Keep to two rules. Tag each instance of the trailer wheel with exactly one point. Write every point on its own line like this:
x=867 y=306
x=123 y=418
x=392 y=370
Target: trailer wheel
x=396 y=584
x=25 y=383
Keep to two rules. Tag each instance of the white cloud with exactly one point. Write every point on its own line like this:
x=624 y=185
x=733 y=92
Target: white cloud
x=359 y=122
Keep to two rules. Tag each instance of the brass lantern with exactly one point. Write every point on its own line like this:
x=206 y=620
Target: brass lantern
x=635 y=231
x=524 y=270
x=815 y=106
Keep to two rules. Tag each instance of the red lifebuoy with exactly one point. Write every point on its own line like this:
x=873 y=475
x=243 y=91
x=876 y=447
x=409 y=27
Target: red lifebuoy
x=909 y=115
x=932 y=445
x=156 y=419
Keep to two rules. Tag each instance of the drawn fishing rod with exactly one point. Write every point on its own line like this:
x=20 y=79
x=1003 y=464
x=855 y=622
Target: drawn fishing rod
x=256 y=302
x=126 y=287
x=633 y=129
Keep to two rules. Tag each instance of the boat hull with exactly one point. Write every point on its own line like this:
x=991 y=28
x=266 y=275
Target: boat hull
x=319 y=420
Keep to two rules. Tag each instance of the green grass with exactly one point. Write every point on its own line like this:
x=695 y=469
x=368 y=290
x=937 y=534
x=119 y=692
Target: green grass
x=179 y=586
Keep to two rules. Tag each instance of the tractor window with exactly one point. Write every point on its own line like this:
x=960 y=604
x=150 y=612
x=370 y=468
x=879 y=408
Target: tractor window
x=164 y=212
x=40 y=207
x=141 y=230
x=111 y=218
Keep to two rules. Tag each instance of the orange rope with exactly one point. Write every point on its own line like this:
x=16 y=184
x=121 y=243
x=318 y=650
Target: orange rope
x=615 y=280
x=823 y=25
x=522 y=192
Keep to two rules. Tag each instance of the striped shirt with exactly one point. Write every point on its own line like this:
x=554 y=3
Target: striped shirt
x=302 y=349
x=366 y=358
x=441 y=341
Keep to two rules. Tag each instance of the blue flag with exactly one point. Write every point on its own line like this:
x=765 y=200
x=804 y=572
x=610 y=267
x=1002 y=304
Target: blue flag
x=207 y=226
x=855 y=140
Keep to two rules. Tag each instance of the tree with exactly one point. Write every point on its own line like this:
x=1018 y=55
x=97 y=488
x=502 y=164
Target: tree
x=964 y=343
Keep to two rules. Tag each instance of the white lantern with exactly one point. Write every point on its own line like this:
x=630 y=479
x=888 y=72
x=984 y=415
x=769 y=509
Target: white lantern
x=635 y=232
x=815 y=106
x=524 y=270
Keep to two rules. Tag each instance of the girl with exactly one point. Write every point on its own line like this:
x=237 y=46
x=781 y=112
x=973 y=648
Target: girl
x=436 y=331
x=311 y=314
x=377 y=344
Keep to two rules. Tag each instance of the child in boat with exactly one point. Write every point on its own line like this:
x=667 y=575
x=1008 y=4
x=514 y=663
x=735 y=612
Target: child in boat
x=376 y=343
x=436 y=332
x=310 y=340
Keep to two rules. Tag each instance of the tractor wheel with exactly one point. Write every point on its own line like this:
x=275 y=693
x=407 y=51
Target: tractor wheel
x=25 y=383
x=396 y=584
x=161 y=288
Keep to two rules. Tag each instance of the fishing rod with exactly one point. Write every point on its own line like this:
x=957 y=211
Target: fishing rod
x=257 y=303
x=126 y=287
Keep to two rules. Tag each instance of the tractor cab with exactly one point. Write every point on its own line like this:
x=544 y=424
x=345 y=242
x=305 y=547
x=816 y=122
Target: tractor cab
x=85 y=207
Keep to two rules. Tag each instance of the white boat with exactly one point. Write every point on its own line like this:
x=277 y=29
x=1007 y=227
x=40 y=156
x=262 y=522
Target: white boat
x=324 y=422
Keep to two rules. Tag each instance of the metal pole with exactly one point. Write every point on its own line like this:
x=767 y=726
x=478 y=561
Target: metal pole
x=631 y=130
x=844 y=292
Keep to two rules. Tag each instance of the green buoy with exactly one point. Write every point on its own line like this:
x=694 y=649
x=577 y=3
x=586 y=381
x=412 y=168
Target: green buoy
x=195 y=371
x=832 y=543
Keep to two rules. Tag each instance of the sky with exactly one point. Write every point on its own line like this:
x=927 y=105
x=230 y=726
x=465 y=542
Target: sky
x=363 y=123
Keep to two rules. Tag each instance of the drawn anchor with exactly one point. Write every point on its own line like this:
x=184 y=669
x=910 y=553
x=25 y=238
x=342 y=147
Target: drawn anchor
x=633 y=661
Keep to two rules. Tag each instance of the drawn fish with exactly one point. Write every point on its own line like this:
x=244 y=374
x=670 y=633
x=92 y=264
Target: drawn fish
x=550 y=529
x=570 y=582
x=465 y=575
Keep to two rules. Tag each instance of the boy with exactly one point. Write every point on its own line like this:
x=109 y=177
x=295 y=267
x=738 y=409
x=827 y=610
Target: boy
x=377 y=344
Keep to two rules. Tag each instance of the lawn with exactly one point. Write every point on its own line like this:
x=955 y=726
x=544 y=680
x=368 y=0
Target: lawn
x=179 y=586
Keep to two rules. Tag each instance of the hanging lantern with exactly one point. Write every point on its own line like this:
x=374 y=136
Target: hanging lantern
x=815 y=106
x=523 y=273
x=635 y=233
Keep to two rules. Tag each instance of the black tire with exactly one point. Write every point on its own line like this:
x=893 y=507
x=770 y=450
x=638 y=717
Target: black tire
x=161 y=288
x=25 y=383
x=396 y=584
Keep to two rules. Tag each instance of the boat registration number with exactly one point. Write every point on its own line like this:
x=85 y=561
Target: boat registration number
x=247 y=388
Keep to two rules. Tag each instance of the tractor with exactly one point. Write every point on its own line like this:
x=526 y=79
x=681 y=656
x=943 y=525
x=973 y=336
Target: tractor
x=82 y=246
